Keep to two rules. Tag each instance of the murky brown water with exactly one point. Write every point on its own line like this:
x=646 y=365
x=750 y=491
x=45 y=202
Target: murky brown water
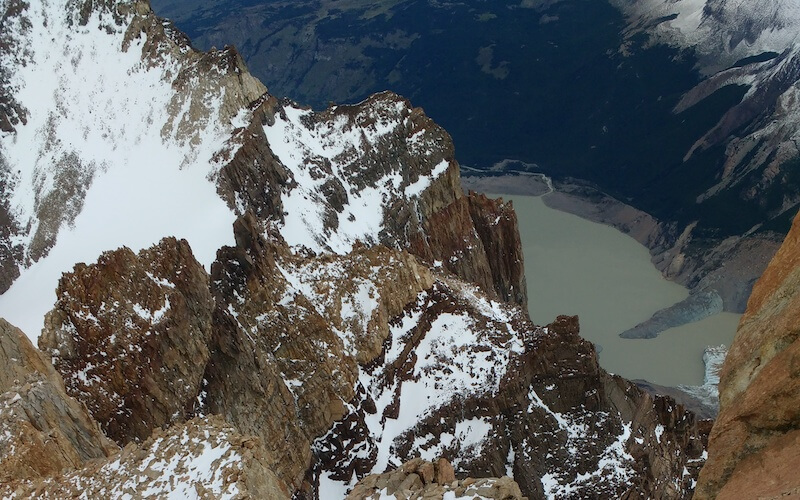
x=574 y=266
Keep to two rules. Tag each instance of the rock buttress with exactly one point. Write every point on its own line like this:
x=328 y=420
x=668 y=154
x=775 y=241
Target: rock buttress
x=42 y=430
x=130 y=336
x=754 y=447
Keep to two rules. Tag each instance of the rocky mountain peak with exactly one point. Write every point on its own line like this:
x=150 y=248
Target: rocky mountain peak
x=362 y=312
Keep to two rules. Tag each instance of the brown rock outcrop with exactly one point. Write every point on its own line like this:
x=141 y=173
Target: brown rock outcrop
x=272 y=341
x=289 y=333
x=201 y=458
x=754 y=448
x=419 y=479
x=252 y=179
x=477 y=239
x=496 y=225
x=276 y=371
x=42 y=430
x=130 y=336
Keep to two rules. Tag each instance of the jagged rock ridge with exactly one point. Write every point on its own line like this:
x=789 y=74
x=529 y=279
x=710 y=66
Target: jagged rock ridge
x=343 y=365
x=360 y=274
x=197 y=133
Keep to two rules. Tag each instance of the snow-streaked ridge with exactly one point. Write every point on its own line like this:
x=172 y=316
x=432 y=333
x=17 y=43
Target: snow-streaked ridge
x=457 y=358
x=320 y=155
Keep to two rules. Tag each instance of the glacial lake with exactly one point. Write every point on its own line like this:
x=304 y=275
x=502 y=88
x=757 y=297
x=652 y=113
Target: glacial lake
x=575 y=266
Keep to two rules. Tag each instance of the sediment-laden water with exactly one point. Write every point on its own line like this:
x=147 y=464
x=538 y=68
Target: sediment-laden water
x=574 y=266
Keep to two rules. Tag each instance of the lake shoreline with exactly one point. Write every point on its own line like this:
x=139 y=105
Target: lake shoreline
x=672 y=360
x=718 y=282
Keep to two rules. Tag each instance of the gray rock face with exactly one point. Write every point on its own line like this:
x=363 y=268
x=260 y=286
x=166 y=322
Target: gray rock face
x=42 y=430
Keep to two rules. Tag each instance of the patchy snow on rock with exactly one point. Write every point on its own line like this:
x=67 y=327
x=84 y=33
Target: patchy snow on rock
x=320 y=154
x=329 y=289
x=614 y=467
x=456 y=356
x=193 y=461
x=470 y=435
x=100 y=162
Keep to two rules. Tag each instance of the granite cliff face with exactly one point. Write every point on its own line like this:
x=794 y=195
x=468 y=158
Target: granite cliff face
x=754 y=447
x=42 y=429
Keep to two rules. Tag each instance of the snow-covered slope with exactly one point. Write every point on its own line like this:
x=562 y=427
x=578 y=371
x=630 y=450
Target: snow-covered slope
x=109 y=151
x=117 y=131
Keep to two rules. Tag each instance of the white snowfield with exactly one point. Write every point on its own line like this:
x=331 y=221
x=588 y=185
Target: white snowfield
x=102 y=161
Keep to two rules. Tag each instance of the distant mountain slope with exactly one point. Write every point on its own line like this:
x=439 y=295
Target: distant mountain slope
x=749 y=44
x=682 y=109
